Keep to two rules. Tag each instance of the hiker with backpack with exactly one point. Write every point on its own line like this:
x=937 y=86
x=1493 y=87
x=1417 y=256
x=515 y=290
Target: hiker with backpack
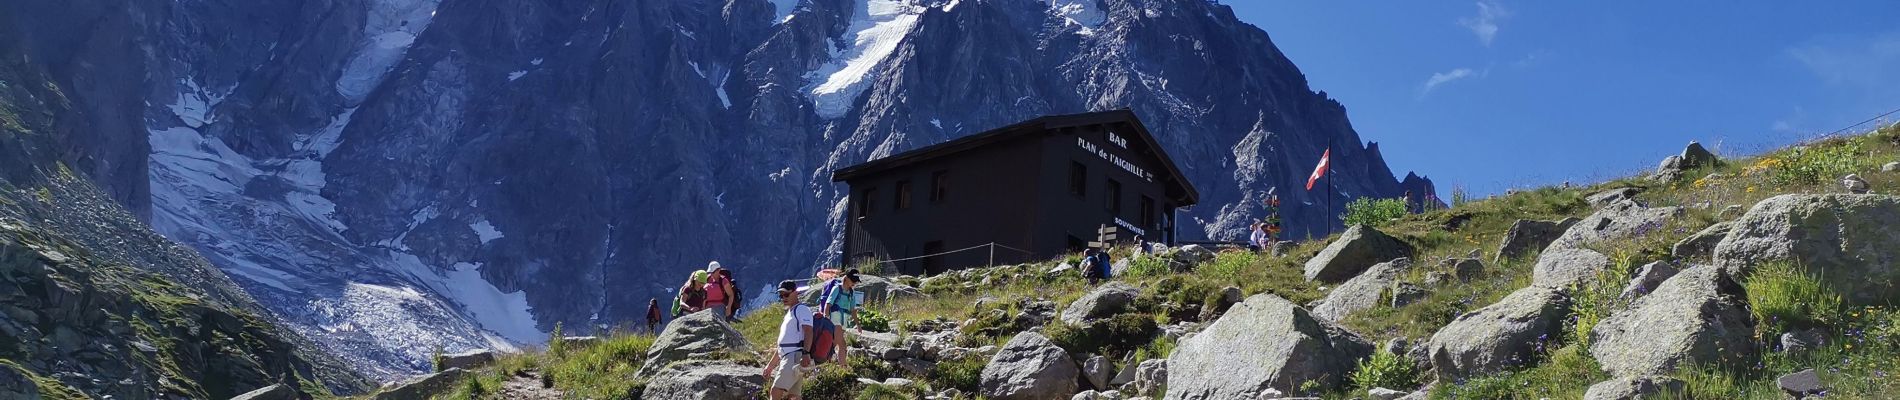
x=839 y=304
x=1095 y=265
x=653 y=315
x=718 y=291
x=738 y=296
x=788 y=365
x=692 y=296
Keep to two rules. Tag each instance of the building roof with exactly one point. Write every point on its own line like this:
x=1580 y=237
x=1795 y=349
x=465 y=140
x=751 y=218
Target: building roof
x=1040 y=124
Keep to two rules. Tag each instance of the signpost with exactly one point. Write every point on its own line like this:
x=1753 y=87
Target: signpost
x=1103 y=235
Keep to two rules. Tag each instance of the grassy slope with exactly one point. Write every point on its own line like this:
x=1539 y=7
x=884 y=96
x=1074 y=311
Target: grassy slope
x=1859 y=363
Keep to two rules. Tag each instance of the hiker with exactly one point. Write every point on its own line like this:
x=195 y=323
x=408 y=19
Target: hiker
x=1259 y=238
x=1095 y=265
x=838 y=303
x=718 y=291
x=1143 y=246
x=653 y=315
x=786 y=368
x=737 y=295
x=692 y=297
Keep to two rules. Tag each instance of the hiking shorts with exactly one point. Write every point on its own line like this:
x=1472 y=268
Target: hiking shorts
x=789 y=373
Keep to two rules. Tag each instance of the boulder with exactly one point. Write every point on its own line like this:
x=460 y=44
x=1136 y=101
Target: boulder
x=1695 y=156
x=1363 y=291
x=1264 y=342
x=1668 y=171
x=1193 y=254
x=1467 y=269
x=1406 y=293
x=1854 y=184
x=1383 y=394
x=916 y=366
x=1150 y=377
x=1613 y=196
x=1568 y=266
x=1568 y=261
x=1801 y=384
x=1102 y=302
x=1803 y=340
x=580 y=342
x=1127 y=373
x=1357 y=249
x=1648 y=278
x=1848 y=240
x=1635 y=388
x=1029 y=367
x=1701 y=245
x=1527 y=236
x=711 y=380
x=1098 y=371
x=425 y=387
x=273 y=392
x=1497 y=337
x=1063 y=268
x=696 y=336
x=1698 y=317
x=876 y=289
x=1890 y=167
x=471 y=359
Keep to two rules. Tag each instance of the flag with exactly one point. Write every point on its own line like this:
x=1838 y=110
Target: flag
x=1325 y=161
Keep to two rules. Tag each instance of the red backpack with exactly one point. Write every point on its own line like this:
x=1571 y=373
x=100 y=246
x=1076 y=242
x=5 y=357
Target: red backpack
x=824 y=338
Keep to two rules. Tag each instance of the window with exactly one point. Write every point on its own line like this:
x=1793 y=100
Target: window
x=938 y=180
x=867 y=202
x=903 y=195
x=1147 y=212
x=1078 y=179
x=1114 y=197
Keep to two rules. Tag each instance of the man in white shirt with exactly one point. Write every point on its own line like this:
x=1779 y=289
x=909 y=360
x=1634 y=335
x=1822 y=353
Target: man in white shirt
x=786 y=368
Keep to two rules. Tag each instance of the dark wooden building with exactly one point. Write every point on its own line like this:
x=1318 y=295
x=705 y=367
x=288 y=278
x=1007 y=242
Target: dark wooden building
x=1038 y=189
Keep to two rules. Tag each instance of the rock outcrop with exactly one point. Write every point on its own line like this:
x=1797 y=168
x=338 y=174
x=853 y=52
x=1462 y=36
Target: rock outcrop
x=1265 y=342
x=425 y=387
x=1648 y=278
x=1699 y=317
x=1701 y=246
x=1361 y=292
x=466 y=360
x=1507 y=334
x=1567 y=261
x=1030 y=367
x=1101 y=302
x=1357 y=249
x=1528 y=236
x=1635 y=388
x=1849 y=240
x=707 y=380
x=696 y=336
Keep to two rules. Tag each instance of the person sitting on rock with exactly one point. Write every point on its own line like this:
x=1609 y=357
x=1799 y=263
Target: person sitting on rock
x=1258 y=240
x=692 y=297
x=838 y=303
x=785 y=370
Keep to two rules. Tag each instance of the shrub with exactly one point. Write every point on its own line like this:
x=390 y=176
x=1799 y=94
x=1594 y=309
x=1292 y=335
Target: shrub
x=965 y=375
x=1145 y=266
x=882 y=392
x=1815 y=163
x=1228 y=266
x=1595 y=300
x=1783 y=297
x=555 y=345
x=1384 y=370
x=871 y=320
x=832 y=382
x=1374 y=212
x=1159 y=349
x=1121 y=333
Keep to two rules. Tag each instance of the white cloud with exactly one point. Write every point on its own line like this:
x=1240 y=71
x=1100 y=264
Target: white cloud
x=1445 y=77
x=1485 y=24
x=1867 y=63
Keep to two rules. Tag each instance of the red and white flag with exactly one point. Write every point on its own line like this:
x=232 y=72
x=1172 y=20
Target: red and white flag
x=1325 y=161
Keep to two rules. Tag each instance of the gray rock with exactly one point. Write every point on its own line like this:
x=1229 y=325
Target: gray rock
x=1098 y=371
x=1890 y=167
x=273 y=392
x=1669 y=170
x=1506 y=334
x=898 y=382
x=1467 y=269
x=1264 y=342
x=1612 y=196
x=1528 y=236
x=710 y=380
x=426 y=386
x=1854 y=184
x=1357 y=249
x=1568 y=261
x=877 y=290
x=1803 y=340
x=1435 y=278
x=1698 y=317
x=1030 y=367
x=889 y=353
x=1701 y=245
x=1193 y=255
x=916 y=366
x=1648 y=278
x=1127 y=373
x=1568 y=266
x=1406 y=293
x=1731 y=211
x=1063 y=268
x=471 y=359
x=14 y=384
x=1695 y=156
x=1361 y=292
x=1801 y=384
x=580 y=342
x=1384 y=394
x=1848 y=240
x=696 y=336
x=1150 y=377
x=1394 y=346
x=1102 y=302
x=1635 y=388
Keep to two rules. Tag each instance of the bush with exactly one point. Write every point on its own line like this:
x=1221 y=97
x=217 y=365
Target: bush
x=1815 y=163
x=1228 y=266
x=1145 y=266
x=1374 y=212
x=871 y=320
x=1159 y=349
x=1121 y=334
x=832 y=382
x=1384 y=370
x=965 y=375
x=1596 y=299
x=1783 y=297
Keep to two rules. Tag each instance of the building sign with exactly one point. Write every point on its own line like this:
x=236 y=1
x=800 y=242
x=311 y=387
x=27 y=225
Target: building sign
x=1131 y=227
x=1114 y=159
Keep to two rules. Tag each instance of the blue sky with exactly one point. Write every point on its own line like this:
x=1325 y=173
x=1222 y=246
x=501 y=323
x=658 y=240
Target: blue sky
x=1489 y=95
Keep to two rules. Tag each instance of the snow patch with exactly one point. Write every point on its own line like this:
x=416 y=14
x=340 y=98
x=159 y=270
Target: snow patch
x=877 y=27
x=784 y=9
x=937 y=123
x=193 y=106
x=392 y=26
x=512 y=76
x=1086 y=13
x=535 y=62
x=484 y=230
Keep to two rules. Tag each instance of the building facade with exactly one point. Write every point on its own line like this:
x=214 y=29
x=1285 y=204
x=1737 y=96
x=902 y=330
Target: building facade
x=1037 y=190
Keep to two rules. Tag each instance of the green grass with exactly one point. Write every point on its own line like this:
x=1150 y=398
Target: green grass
x=1784 y=297
x=1567 y=372
x=1374 y=212
x=1384 y=370
x=49 y=388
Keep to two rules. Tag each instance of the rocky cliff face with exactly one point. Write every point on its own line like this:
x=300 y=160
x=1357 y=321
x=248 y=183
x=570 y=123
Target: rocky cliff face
x=396 y=175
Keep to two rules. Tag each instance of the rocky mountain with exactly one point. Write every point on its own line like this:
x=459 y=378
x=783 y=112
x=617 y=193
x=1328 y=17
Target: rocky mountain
x=93 y=304
x=393 y=176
